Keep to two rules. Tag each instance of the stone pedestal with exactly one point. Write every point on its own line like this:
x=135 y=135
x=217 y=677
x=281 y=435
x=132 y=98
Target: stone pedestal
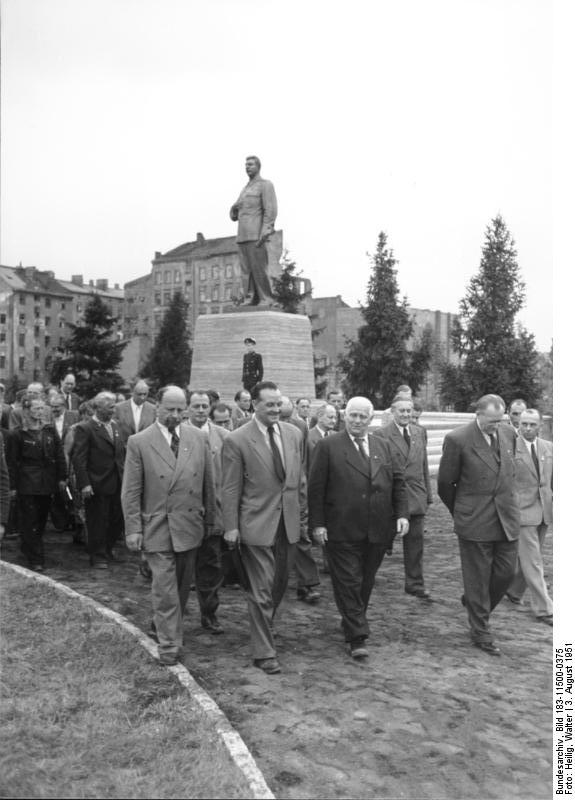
x=283 y=340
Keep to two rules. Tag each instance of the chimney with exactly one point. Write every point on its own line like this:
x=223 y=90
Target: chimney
x=78 y=280
x=102 y=284
x=92 y=284
x=200 y=238
x=50 y=274
x=29 y=271
x=116 y=286
x=157 y=254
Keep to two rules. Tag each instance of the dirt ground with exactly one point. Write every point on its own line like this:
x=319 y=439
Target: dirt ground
x=426 y=716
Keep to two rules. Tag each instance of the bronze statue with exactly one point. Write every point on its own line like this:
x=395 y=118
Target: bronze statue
x=255 y=211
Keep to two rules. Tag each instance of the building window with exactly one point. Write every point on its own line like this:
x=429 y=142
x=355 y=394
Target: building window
x=61 y=324
x=158 y=276
x=22 y=299
x=2 y=319
x=177 y=276
x=168 y=276
x=79 y=308
x=36 y=354
x=229 y=271
x=215 y=293
x=187 y=293
x=21 y=363
x=37 y=313
x=167 y=298
x=158 y=298
x=188 y=269
x=2 y=336
x=2 y=362
x=202 y=295
x=22 y=339
x=48 y=302
x=237 y=270
x=47 y=321
x=36 y=298
x=61 y=341
x=202 y=273
x=63 y=306
x=228 y=293
x=22 y=319
x=46 y=341
x=36 y=332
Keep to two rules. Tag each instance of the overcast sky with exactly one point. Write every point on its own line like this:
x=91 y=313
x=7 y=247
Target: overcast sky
x=125 y=125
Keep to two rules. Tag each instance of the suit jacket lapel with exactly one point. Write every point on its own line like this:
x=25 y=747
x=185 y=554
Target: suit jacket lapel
x=162 y=448
x=524 y=452
x=400 y=441
x=353 y=457
x=101 y=431
x=184 y=453
x=483 y=450
x=260 y=447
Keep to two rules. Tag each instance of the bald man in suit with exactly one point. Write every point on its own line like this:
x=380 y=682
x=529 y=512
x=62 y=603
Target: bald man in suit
x=168 y=500
x=476 y=481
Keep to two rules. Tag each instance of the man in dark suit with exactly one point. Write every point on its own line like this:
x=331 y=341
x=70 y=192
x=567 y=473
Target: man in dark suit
x=253 y=367
x=241 y=410
x=136 y=414
x=409 y=450
x=62 y=420
x=264 y=508
x=168 y=502
x=326 y=421
x=71 y=399
x=476 y=481
x=98 y=458
x=209 y=575
x=357 y=502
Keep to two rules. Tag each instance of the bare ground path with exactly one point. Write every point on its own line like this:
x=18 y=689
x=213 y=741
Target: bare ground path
x=427 y=716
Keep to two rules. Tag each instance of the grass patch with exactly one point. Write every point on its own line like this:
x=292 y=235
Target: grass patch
x=86 y=712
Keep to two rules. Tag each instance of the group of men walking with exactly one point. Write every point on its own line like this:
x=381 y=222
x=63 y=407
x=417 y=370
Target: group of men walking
x=268 y=479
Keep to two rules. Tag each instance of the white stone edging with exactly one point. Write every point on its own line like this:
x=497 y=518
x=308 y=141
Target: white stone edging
x=230 y=737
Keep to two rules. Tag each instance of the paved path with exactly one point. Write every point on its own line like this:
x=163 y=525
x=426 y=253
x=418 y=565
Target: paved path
x=427 y=716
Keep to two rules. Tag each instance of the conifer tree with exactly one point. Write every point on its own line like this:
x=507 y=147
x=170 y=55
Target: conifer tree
x=92 y=351
x=496 y=353
x=380 y=360
x=170 y=359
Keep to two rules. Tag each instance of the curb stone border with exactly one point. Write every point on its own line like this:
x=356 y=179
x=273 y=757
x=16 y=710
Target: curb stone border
x=235 y=745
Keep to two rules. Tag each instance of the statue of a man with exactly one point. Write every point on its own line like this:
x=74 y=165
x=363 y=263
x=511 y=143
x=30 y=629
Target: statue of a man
x=255 y=211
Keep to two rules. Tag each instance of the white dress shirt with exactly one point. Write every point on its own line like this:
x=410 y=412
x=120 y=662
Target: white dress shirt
x=137 y=412
x=277 y=438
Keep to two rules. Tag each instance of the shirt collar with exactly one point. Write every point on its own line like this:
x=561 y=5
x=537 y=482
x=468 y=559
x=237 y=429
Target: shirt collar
x=264 y=428
x=401 y=428
x=166 y=431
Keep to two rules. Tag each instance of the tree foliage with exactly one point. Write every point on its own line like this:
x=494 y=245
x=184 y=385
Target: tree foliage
x=496 y=354
x=170 y=359
x=286 y=288
x=92 y=351
x=381 y=359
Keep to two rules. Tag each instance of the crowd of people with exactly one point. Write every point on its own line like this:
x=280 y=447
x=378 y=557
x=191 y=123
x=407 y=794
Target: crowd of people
x=191 y=482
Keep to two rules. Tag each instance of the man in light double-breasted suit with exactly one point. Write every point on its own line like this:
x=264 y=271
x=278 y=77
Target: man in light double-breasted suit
x=169 y=506
x=409 y=451
x=264 y=508
x=136 y=414
x=534 y=481
x=476 y=481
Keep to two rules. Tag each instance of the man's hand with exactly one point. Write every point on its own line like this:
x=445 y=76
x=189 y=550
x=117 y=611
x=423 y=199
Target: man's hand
x=134 y=541
x=320 y=535
x=261 y=240
x=87 y=492
x=402 y=526
x=232 y=537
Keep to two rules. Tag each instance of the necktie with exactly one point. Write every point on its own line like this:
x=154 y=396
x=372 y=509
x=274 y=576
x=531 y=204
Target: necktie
x=407 y=437
x=494 y=444
x=535 y=459
x=175 y=443
x=361 y=447
x=278 y=466
x=109 y=430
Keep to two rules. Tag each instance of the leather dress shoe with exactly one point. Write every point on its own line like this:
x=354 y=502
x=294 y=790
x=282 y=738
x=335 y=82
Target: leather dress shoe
x=463 y=601
x=309 y=595
x=212 y=624
x=423 y=594
x=515 y=600
x=151 y=632
x=168 y=660
x=488 y=647
x=358 y=649
x=547 y=619
x=98 y=563
x=268 y=665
